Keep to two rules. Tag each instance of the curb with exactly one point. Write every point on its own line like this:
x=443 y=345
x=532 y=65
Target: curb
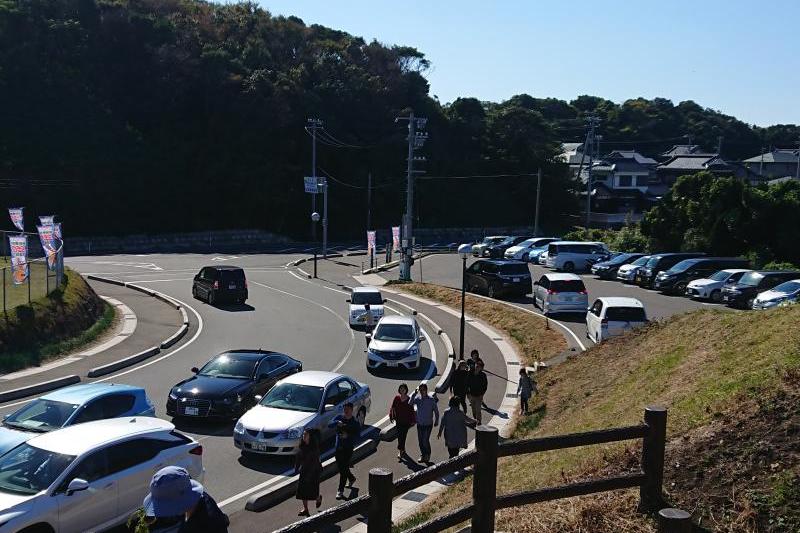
x=166 y=343
x=38 y=388
x=106 y=280
x=184 y=316
x=122 y=363
x=444 y=381
x=269 y=498
x=139 y=288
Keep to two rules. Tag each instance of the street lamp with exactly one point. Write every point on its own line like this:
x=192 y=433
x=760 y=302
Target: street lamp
x=315 y=218
x=465 y=250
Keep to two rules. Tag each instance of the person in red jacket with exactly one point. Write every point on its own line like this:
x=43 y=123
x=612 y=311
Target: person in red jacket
x=402 y=414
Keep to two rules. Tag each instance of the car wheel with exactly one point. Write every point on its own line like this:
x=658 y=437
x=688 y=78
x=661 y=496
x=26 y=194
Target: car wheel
x=750 y=303
x=680 y=288
x=194 y=292
x=490 y=292
x=38 y=528
x=211 y=297
x=716 y=296
x=569 y=266
x=361 y=416
x=597 y=338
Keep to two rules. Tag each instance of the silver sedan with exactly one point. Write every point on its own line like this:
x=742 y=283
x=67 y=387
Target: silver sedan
x=304 y=400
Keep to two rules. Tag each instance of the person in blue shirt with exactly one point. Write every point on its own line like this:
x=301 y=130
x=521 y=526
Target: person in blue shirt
x=347 y=432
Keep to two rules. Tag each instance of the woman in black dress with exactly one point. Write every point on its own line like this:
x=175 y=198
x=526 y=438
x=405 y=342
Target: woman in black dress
x=308 y=465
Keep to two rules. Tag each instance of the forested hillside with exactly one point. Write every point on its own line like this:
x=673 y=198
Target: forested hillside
x=178 y=115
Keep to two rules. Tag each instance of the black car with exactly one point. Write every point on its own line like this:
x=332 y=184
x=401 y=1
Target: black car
x=608 y=269
x=742 y=293
x=497 y=251
x=646 y=275
x=219 y=284
x=675 y=279
x=493 y=277
x=227 y=385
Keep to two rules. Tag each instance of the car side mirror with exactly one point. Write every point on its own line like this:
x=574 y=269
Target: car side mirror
x=535 y=282
x=77 y=485
x=422 y=338
x=328 y=408
x=349 y=301
x=258 y=397
x=384 y=300
x=369 y=337
x=195 y=370
x=197 y=277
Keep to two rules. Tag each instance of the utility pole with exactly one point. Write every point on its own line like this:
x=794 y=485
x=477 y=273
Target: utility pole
x=415 y=141
x=538 y=198
x=761 y=164
x=719 y=145
x=312 y=125
x=797 y=172
x=590 y=141
x=369 y=201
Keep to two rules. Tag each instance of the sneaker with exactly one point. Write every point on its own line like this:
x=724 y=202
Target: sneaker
x=340 y=495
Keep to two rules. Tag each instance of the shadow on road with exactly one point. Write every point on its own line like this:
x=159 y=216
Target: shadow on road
x=395 y=374
x=267 y=464
x=235 y=308
x=204 y=427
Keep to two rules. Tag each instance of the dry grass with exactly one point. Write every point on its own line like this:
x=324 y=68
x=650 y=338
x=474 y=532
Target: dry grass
x=699 y=365
x=534 y=340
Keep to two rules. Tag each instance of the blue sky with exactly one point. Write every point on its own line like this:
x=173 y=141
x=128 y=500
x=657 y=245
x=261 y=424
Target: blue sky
x=740 y=57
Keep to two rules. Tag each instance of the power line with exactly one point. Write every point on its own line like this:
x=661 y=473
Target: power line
x=351 y=186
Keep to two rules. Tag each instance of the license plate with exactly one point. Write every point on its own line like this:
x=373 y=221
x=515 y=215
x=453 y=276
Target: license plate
x=391 y=363
x=259 y=446
x=191 y=411
x=232 y=286
x=516 y=280
x=725 y=298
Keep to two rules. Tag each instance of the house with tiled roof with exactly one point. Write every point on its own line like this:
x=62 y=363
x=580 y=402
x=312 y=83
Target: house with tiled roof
x=679 y=165
x=776 y=163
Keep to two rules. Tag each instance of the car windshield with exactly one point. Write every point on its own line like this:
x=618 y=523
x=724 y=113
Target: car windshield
x=567 y=285
x=394 y=332
x=526 y=244
x=515 y=269
x=293 y=397
x=720 y=276
x=682 y=266
x=371 y=298
x=620 y=259
x=41 y=415
x=232 y=275
x=229 y=365
x=626 y=314
x=653 y=261
x=641 y=261
x=751 y=279
x=493 y=240
x=787 y=287
x=27 y=469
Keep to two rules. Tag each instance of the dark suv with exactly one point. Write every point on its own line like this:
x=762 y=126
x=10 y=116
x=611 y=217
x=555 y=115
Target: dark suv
x=497 y=251
x=742 y=293
x=494 y=278
x=220 y=283
x=675 y=279
x=646 y=275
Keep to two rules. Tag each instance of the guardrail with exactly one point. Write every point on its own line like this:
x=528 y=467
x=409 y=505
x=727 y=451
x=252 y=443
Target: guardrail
x=377 y=504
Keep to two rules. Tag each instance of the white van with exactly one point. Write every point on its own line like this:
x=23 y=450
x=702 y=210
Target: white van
x=560 y=293
x=360 y=297
x=570 y=256
x=608 y=317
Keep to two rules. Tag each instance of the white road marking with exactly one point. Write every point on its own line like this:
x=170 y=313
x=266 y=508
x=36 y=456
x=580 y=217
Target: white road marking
x=146 y=266
x=224 y=257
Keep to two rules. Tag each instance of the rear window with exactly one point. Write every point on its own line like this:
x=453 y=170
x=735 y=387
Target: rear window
x=232 y=275
x=567 y=285
x=515 y=269
x=626 y=314
x=552 y=250
x=371 y=298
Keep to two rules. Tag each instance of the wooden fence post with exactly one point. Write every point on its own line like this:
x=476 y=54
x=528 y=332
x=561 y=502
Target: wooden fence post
x=380 y=501
x=650 y=500
x=484 y=483
x=674 y=521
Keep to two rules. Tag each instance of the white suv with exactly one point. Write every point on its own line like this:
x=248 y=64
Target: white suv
x=89 y=477
x=560 y=293
x=570 y=256
x=608 y=317
x=395 y=343
x=360 y=297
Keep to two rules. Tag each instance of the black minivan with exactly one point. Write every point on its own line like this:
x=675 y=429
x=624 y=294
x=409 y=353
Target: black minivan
x=646 y=275
x=742 y=293
x=493 y=278
x=220 y=283
x=675 y=279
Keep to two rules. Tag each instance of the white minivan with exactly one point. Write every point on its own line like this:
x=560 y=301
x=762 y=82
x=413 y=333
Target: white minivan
x=612 y=316
x=362 y=296
x=570 y=256
x=560 y=293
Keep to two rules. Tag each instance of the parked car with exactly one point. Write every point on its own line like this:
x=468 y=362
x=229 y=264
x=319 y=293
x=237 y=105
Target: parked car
x=520 y=251
x=569 y=256
x=543 y=258
x=534 y=254
x=627 y=273
x=227 y=385
x=498 y=250
x=479 y=250
x=89 y=477
x=395 y=343
x=788 y=291
x=608 y=317
x=646 y=275
x=360 y=297
x=72 y=405
x=304 y=400
x=608 y=269
x=560 y=293
x=743 y=293
x=710 y=288
x=496 y=278
x=220 y=284
x=675 y=279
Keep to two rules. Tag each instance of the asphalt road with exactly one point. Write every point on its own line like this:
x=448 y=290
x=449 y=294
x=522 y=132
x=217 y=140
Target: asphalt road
x=285 y=312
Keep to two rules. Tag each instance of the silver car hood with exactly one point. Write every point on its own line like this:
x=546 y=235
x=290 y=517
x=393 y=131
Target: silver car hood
x=391 y=346
x=627 y=268
x=10 y=500
x=274 y=420
x=704 y=282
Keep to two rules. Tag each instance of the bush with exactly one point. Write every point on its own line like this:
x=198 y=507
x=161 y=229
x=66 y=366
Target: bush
x=629 y=238
x=780 y=265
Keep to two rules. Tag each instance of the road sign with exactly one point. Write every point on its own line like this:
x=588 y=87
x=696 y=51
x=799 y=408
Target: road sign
x=311 y=184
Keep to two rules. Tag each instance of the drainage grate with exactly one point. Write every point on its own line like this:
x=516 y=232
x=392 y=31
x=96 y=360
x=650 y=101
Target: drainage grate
x=415 y=496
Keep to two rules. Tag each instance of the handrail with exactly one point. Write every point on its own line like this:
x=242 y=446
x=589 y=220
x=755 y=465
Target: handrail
x=571 y=440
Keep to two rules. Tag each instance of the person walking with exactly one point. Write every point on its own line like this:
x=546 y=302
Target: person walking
x=454 y=426
x=526 y=388
x=474 y=355
x=369 y=323
x=476 y=388
x=309 y=466
x=458 y=383
x=427 y=414
x=347 y=431
x=401 y=413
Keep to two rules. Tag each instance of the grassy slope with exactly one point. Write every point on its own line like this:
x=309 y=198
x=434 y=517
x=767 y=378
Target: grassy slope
x=705 y=366
x=18 y=294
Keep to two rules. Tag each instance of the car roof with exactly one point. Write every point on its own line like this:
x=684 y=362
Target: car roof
x=577 y=242
x=366 y=289
x=620 y=301
x=318 y=378
x=777 y=272
x=224 y=267
x=563 y=276
x=80 y=394
x=690 y=255
x=397 y=319
x=735 y=270
x=253 y=354
x=502 y=261
x=80 y=438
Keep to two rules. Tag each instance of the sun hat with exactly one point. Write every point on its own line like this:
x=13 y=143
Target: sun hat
x=172 y=493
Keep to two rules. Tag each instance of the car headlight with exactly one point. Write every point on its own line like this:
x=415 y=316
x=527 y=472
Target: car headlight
x=238 y=428
x=172 y=395
x=414 y=351
x=293 y=433
x=234 y=398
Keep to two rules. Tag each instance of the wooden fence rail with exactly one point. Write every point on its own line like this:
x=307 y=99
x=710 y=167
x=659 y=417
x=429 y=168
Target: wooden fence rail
x=485 y=501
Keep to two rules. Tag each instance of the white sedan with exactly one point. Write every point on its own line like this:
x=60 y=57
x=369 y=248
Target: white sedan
x=89 y=477
x=304 y=400
x=611 y=316
x=711 y=288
